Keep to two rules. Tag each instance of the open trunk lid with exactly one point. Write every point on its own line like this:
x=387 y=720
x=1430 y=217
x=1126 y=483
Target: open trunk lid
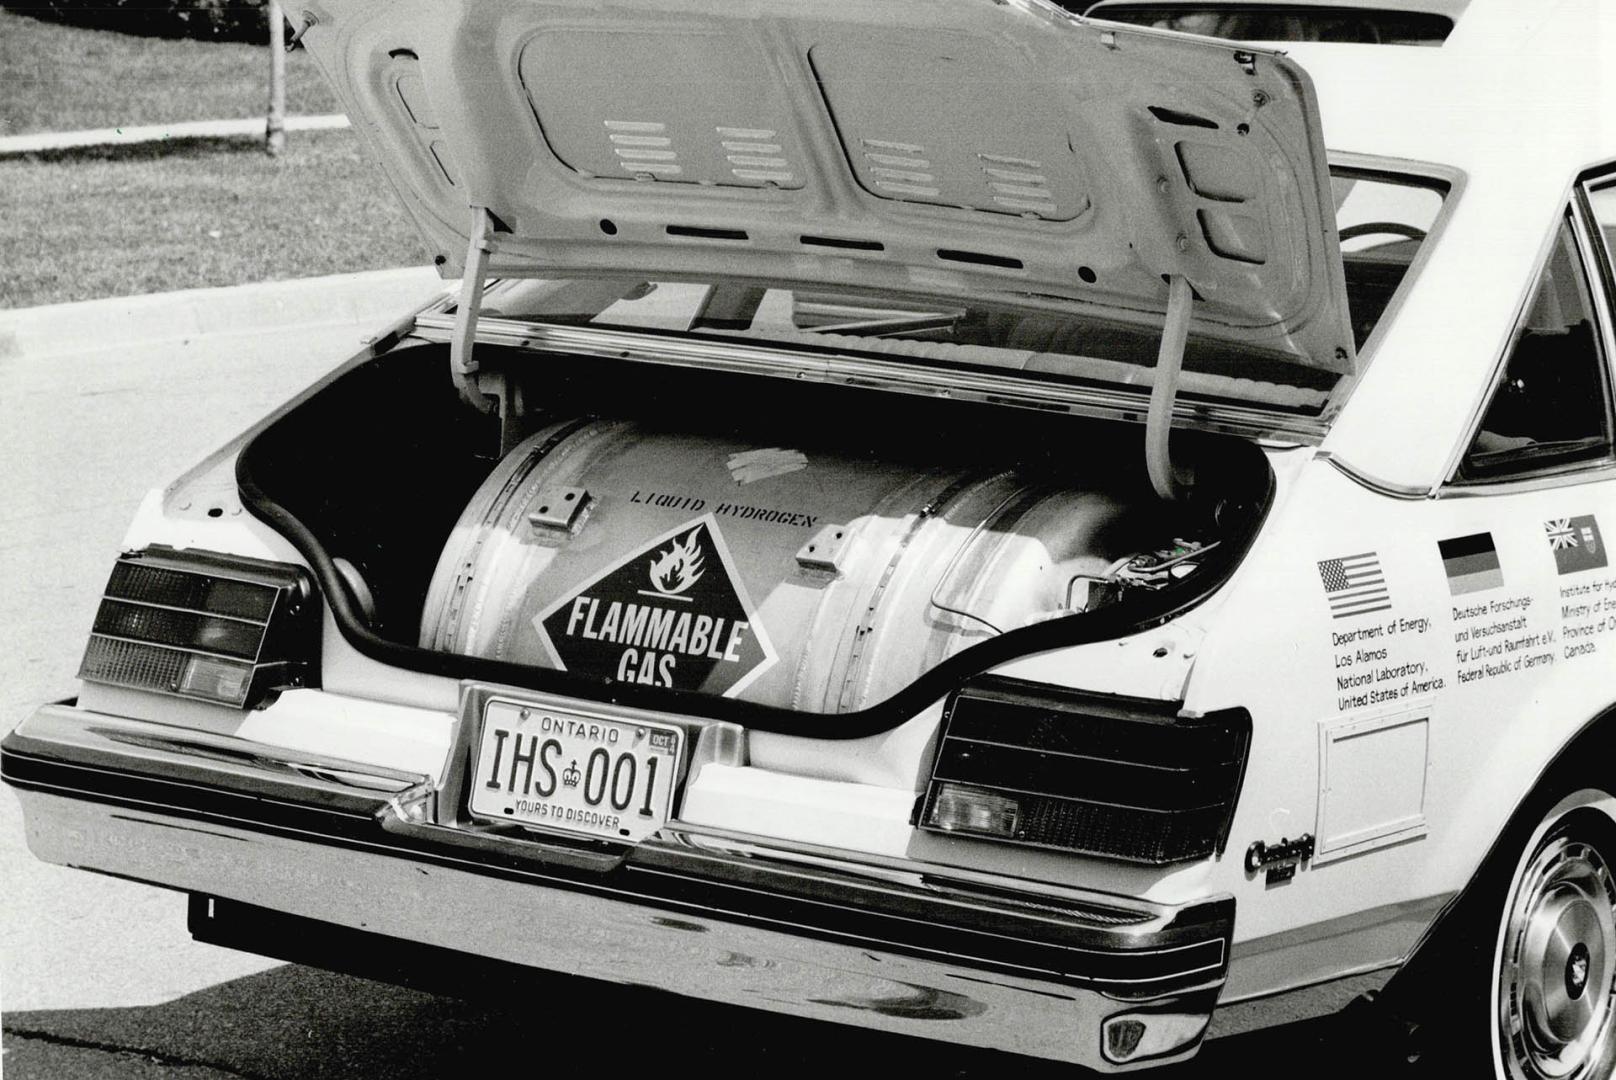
x=1006 y=152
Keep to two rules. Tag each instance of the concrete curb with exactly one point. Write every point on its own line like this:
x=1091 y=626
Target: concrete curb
x=370 y=298
x=43 y=141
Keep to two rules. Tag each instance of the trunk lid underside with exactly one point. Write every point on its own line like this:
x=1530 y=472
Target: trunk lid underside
x=1004 y=151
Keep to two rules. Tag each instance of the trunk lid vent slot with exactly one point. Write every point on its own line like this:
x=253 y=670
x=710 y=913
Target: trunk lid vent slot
x=978 y=258
x=699 y=233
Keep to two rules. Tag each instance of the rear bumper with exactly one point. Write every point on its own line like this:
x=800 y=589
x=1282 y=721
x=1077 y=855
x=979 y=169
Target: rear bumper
x=892 y=945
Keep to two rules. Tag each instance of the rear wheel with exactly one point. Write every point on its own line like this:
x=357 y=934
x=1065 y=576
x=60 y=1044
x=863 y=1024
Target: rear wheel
x=1553 y=996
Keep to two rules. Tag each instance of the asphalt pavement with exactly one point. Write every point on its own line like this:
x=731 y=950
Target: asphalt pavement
x=99 y=403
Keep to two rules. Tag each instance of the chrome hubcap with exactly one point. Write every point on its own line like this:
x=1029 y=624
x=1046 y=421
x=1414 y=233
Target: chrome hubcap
x=1556 y=968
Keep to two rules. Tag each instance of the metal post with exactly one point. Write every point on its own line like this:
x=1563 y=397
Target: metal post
x=275 y=126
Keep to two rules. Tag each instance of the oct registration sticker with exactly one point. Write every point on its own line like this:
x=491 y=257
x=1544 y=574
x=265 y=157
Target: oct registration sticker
x=605 y=779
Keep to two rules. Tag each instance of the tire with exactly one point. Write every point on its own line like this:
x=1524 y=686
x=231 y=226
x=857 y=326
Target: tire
x=1552 y=1004
x=1477 y=999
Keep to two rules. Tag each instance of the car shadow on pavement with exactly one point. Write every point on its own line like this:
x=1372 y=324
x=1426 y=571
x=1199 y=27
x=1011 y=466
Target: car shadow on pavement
x=299 y=1023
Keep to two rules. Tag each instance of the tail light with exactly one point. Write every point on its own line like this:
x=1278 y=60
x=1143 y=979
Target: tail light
x=1096 y=774
x=198 y=624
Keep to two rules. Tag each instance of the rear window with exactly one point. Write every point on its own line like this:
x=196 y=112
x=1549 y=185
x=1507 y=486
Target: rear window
x=1281 y=22
x=1383 y=221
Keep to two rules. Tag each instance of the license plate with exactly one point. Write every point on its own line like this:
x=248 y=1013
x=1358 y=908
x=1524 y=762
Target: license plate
x=606 y=779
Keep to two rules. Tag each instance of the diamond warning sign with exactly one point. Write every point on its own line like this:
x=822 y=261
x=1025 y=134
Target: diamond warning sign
x=672 y=614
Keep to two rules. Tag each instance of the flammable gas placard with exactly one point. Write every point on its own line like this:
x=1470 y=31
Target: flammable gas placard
x=672 y=614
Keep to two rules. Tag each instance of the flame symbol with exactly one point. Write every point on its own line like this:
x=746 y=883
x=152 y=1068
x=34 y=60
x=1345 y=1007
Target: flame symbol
x=675 y=570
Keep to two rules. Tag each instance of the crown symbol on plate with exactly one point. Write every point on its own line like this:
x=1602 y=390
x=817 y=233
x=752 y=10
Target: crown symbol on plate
x=571 y=777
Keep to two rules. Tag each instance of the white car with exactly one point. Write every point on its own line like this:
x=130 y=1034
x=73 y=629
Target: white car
x=944 y=517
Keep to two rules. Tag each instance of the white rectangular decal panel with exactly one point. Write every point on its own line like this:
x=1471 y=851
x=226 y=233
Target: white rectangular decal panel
x=1372 y=773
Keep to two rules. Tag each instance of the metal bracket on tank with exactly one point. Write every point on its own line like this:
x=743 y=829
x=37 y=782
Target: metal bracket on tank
x=823 y=551
x=505 y=398
x=1170 y=483
x=559 y=508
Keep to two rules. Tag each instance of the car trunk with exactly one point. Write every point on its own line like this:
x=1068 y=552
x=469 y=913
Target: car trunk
x=683 y=538
x=807 y=549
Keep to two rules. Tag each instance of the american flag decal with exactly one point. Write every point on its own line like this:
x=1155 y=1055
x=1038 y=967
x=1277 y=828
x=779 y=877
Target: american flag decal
x=1354 y=585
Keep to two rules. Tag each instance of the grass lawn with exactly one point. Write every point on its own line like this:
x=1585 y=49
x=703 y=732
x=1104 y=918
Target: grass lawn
x=185 y=214
x=60 y=78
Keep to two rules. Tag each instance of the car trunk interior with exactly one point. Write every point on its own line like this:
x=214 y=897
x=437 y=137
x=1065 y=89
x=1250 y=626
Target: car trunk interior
x=1047 y=528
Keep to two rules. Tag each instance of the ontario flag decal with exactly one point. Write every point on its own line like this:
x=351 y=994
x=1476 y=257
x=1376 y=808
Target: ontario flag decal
x=1576 y=543
x=672 y=614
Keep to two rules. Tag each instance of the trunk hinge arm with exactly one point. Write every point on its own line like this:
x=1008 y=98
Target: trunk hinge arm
x=463 y=367
x=1170 y=483
x=462 y=364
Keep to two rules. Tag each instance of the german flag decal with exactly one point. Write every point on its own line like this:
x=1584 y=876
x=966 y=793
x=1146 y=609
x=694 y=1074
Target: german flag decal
x=1471 y=563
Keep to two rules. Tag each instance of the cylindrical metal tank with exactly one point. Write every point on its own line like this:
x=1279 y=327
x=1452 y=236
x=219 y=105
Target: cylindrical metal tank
x=805 y=579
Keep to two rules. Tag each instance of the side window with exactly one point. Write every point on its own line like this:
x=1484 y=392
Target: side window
x=1552 y=407
x=1602 y=205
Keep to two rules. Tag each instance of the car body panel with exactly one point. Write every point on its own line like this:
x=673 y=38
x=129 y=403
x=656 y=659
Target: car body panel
x=1403 y=104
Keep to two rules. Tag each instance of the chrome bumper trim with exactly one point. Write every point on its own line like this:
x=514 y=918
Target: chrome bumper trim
x=302 y=834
